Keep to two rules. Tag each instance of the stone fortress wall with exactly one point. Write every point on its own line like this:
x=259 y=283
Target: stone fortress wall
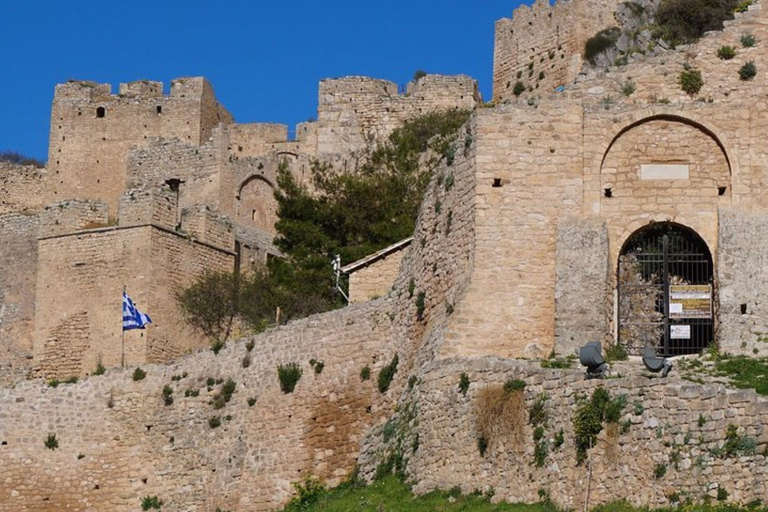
x=518 y=260
x=542 y=45
x=556 y=156
x=140 y=179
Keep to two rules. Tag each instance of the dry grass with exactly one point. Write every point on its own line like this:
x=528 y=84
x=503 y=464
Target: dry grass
x=501 y=417
x=612 y=442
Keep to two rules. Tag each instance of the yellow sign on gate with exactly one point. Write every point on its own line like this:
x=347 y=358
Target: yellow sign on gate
x=690 y=301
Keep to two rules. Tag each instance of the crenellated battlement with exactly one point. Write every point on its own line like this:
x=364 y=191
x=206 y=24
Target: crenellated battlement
x=158 y=206
x=353 y=109
x=72 y=215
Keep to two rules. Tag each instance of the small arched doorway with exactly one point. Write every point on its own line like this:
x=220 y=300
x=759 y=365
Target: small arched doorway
x=665 y=289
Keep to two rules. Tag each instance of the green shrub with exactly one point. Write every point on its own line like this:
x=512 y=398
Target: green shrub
x=420 y=305
x=99 y=368
x=214 y=421
x=690 y=81
x=217 y=345
x=308 y=491
x=589 y=417
x=139 y=374
x=659 y=470
x=387 y=374
x=747 y=40
x=736 y=445
x=748 y=71
x=518 y=89
x=149 y=502
x=191 y=392
x=722 y=494
x=210 y=381
x=684 y=21
x=628 y=88
x=559 y=439
x=464 y=384
x=167 y=395
x=513 y=385
x=538 y=414
x=726 y=52
x=249 y=345
x=228 y=389
x=482 y=445
x=412 y=380
x=411 y=288
x=540 y=450
x=317 y=365
x=365 y=373
x=616 y=353
x=53 y=383
x=252 y=401
x=71 y=380
x=289 y=375
x=449 y=180
x=601 y=42
x=51 y=442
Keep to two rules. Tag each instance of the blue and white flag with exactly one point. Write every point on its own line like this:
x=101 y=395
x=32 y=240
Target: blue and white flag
x=132 y=317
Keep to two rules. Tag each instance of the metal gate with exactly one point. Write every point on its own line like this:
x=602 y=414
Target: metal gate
x=665 y=291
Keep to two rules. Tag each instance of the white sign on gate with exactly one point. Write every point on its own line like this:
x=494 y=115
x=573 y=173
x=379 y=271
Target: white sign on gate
x=680 y=332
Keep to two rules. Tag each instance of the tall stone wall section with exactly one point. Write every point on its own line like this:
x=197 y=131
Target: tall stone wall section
x=92 y=130
x=22 y=188
x=582 y=308
x=667 y=423
x=542 y=46
x=741 y=268
x=352 y=110
x=18 y=267
x=148 y=448
x=146 y=255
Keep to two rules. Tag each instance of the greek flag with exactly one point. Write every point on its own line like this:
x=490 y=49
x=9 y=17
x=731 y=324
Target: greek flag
x=132 y=317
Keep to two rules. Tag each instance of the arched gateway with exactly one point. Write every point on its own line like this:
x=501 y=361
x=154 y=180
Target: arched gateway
x=665 y=290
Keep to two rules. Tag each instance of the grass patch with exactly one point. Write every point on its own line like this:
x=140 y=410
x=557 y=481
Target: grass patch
x=745 y=372
x=392 y=495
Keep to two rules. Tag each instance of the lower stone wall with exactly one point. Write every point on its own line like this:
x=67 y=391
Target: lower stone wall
x=118 y=442
x=668 y=426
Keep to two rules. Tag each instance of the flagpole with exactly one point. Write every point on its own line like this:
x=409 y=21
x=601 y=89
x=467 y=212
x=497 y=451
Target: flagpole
x=122 y=331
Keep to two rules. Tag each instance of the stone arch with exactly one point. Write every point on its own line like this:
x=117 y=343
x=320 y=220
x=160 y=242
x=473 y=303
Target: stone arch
x=649 y=115
x=255 y=202
x=665 y=290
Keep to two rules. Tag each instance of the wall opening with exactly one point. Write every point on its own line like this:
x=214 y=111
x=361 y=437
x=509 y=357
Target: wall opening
x=101 y=112
x=665 y=287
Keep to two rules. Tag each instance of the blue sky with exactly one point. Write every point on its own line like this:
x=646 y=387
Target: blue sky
x=264 y=59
